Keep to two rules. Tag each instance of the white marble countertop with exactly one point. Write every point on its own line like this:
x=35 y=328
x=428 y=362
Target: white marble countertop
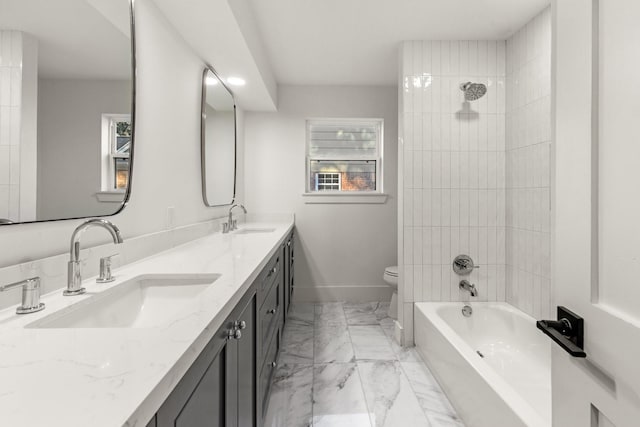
x=120 y=377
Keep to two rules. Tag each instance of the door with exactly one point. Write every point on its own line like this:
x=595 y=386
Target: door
x=596 y=65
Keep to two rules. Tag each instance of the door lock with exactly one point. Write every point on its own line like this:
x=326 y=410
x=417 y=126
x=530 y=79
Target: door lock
x=567 y=331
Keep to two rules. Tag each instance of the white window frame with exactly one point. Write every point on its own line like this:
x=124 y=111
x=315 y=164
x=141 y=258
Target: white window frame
x=336 y=174
x=339 y=196
x=108 y=156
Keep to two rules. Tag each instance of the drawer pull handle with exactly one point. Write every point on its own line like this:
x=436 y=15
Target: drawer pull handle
x=272 y=271
x=272 y=311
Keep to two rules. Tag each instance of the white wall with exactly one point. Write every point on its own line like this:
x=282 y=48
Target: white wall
x=453 y=171
x=167 y=137
x=70 y=143
x=342 y=249
x=528 y=190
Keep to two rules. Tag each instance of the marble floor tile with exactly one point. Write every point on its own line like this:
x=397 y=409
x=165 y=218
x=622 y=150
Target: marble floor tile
x=361 y=313
x=403 y=354
x=338 y=398
x=332 y=343
x=297 y=343
x=290 y=404
x=341 y=366
x=431 y=397
x=389 y=396
x=437 y=420
x=370 y=343
x=301 y=312
x=329 y=313
x=381 y=310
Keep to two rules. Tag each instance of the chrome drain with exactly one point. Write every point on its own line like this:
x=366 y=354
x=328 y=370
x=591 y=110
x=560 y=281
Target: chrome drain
x=467 y=311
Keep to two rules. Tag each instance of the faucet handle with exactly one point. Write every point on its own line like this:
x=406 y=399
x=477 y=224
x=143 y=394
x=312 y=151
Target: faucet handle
x=30 y=295
x=105 y=270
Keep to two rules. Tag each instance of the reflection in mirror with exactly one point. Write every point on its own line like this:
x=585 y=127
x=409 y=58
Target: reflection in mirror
x=218 y=141
x=65 y=108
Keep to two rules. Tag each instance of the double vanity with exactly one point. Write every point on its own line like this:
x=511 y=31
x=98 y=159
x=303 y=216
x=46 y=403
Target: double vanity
x=186 y=335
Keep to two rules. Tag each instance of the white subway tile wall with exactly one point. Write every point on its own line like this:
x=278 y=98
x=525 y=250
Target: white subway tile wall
x=475 y=175
x=453 y=182
x=10 y=103
x=528 y=127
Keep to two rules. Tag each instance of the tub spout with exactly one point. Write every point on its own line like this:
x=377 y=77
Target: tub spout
x=464 y=284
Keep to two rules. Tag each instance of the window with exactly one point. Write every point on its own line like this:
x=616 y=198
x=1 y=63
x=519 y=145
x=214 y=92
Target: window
x=344 y=156
x=116 y=149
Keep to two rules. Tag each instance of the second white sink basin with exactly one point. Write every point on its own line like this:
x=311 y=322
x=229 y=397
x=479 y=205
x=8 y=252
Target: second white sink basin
x=254 y=230
x=141 y=302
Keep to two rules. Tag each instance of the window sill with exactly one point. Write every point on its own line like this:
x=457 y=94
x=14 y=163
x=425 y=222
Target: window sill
x=110 y=196
x=342 y=198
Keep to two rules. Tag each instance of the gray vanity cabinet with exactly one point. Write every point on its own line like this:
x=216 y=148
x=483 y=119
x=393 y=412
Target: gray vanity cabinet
x=220 y=388
x=287 y=288
x=229 y=383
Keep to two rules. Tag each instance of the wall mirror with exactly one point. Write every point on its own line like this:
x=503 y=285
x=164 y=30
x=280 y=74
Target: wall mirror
x=218 y=141
x=66 y=108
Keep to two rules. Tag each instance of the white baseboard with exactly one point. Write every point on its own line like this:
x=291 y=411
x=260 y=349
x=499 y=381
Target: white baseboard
x=341 y=293
x=398 y=332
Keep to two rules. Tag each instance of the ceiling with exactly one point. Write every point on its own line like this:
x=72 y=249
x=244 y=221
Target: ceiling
x=355 y=42
x=328 y=42
x=84 y=39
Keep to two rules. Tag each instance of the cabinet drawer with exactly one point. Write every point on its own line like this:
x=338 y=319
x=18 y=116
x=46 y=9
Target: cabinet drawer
x=268 y=277
x=267 y=372
x=269 y=314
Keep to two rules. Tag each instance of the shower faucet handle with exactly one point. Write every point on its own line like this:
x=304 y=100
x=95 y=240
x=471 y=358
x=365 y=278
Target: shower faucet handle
x=463 y=265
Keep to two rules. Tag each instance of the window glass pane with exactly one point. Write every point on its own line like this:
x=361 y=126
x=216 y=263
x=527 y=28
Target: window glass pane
x=342 y=175
x=123 y=137
x=343 y=141
x=121 y=176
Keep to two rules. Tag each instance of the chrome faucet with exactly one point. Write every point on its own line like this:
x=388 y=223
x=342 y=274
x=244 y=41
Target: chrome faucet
x=464 y=284
x=232 y=224
x=74 y=273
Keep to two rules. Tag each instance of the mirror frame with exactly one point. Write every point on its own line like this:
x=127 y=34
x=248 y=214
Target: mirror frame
x=127 y=193
x=203 y=117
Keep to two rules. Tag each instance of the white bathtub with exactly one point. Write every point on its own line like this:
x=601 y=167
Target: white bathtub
x=511 y=385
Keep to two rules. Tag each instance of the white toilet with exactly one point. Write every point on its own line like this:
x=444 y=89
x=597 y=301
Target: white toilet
x=391 y=277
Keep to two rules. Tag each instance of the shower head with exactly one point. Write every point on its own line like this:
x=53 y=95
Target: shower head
x=473 y=91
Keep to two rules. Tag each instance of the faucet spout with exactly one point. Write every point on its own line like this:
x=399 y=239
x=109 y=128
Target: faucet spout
x=465 y=285
x=74 y=275
x=231 y=224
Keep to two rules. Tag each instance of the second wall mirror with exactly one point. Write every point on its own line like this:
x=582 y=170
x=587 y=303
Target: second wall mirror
x=218 y=141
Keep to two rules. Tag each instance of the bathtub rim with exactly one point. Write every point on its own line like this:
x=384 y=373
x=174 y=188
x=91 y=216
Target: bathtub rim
x=512 y=398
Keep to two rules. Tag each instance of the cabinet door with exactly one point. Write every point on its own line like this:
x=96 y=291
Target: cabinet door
x=246 y=366
x=201 y=397
x=285 y=278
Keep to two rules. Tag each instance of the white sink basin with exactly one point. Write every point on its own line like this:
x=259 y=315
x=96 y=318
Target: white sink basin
x=141 y=302
x=254 y=230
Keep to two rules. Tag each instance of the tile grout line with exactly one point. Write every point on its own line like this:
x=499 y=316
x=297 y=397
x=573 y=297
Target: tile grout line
x=355 y=361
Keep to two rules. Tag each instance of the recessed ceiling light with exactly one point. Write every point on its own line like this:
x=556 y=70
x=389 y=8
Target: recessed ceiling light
x=236 y=81
x=211 y=81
